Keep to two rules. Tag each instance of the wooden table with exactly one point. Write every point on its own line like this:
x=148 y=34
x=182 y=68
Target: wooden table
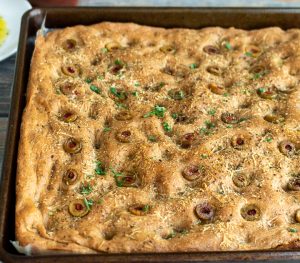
x=6 y=80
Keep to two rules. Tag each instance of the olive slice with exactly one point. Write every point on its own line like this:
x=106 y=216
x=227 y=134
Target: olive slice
x=69 y=45
x=139 y=209
x=297 y=215
x=71 y=70
x=287 y=148
x=167 y=49
x=123 y=116
x=78 y=208
x=294 y=184
x=255 y=51
x=187 y=140
x=251 y=212
x=192 y=172
x=274 y=118
x=72 y=145
x=267 y=93
x=239 y=141
x=215 y=70
x=68 y=116
x=67 y=88
x=204 y=211
x=70 y=177
x=124 y=136
x=176 y=94
x=128 y=179
x=241 y=180
x=111 y=46
x=229 y=118
x=220 y=90
x=209 y=49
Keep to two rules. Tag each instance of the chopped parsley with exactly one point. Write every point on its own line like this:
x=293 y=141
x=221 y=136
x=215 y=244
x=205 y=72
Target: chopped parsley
x=229 y=126
x=193 y=66
x=104 y=50
x=118 y=94
x=249 y=54
x=86 y=189
x=88 y=203
x=292 y=230
x=167 y=127
x=135 y=93
x=208 y=129
x=226 y=94
x=137 y=84
x=211 y=112
x=260 y=74
x=121 y=105
x=95 y=89
x=88 y=80
x=58 y=91
x=158 y=111
x=146 y=208
x=228 y=45
x=203 y=156
x=261 y=90
x=99 y=168
x=152 y=138
x=268 y=139
x=174 y=116
x=100 y=77
x=106 y=129
x=119 y=62
x=171 y=235
x=116 y=175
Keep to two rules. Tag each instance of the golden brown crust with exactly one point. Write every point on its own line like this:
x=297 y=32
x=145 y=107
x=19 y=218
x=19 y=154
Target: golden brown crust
x=174 y=150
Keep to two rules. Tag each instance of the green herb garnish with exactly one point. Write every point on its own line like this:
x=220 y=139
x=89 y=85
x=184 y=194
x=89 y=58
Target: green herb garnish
x=88 y=80
x=203 y=156
x=137 y=84
x=99 y=168
x=260 y=74
x=106 y=129
x=261 y=90
x=228 y=45
x=116 y=175
x=193 y=66
x=211 y=112
x=118 y=62
x=268 y=139
x=104 y=50
x=174 y=116
x=293 y=230
x=95 y=89
x=152 y=138
x=88 y=203
x=146 y=208
x=135 y=93
x=86 y=189
x=167 y=127
x=158 y=111
x=249 y=54
x=171 y=235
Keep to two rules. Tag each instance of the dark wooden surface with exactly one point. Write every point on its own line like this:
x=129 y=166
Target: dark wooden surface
x=6 y=80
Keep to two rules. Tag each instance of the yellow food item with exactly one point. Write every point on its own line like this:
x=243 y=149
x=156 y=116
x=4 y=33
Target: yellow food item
x=3 y=30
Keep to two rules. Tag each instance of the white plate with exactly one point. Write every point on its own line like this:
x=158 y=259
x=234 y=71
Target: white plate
x=12 y=11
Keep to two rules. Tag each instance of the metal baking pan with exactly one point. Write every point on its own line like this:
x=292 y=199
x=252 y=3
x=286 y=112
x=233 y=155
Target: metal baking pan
x=164 y=17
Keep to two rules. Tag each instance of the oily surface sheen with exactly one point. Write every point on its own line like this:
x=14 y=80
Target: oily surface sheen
x=192 y=164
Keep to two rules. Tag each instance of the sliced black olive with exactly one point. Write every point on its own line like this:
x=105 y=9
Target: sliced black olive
x=176 y=94
x=241 y=179
x=211 y=50
x=68 y=116
x=215 y=70
x=251 y=212
x=78 y=208
x=123 y=116
x=274 y=118
x=139 y=209
x=168 y=49
x=69 y=45
x=287 y=148
x=72 y=145
x=294 y=184
x=192 y=172
x=187 y=140
x=71 y=70
x=220 y=90
x=229 y=118
x=70 y=177
x=205 y=211
x=124 y=136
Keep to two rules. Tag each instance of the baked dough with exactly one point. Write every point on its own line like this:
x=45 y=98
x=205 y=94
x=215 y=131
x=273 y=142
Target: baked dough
x=143 y=139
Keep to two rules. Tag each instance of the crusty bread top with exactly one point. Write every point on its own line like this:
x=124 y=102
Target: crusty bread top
x=182 y=140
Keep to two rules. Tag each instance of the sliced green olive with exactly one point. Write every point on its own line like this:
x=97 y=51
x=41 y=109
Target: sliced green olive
x=176 y=94
x=127 y=179
x=220 y=90
x=229 y=118
x=168 y=49
x=239 y=141
x=251 y=212
x=274 y=118
x=267 y=93
x=72 y=145
x=70 y=177
x=187 y=140
x=69 y=45
x=124 y=136
x=294 y=184
x=111 y=46
x=255 y=51
x=192 y=172
x=215 y=70
x=205 y=211
x=287 y=148
x=297 y=216
x=139 y=209
x=67 y=88
x=123 y=116
x=241 y=180
x=209 y=49
x=78 y=208
x=68 y=116
x=71 y=70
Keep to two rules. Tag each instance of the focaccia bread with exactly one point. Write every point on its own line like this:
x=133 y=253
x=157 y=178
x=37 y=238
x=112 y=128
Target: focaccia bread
x=143 y=139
